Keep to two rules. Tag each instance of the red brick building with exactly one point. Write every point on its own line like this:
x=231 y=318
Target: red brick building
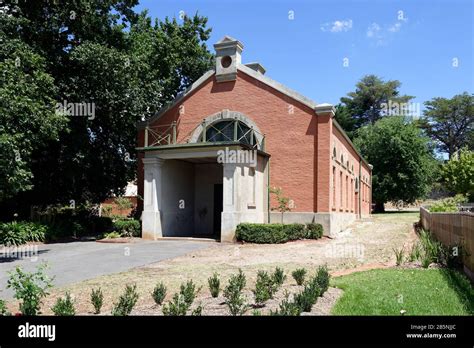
x=208 y=159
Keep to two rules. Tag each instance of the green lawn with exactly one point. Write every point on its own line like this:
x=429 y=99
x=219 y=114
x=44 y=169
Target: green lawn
x=417 y=291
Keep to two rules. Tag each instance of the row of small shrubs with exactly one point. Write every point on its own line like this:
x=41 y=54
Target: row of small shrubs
x=277 y=233
x=31 y=288
x=304 y=300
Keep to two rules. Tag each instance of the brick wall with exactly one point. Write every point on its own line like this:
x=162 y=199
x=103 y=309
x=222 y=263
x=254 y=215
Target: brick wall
x=297 y=140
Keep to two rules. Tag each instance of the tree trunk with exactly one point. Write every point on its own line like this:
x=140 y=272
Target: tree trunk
x=379 y=207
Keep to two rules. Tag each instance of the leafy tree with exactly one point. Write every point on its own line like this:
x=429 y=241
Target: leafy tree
x=345 y=120
x=104 y=54
x=402 y=160
x=458 y=173
x=450 y=122
x=366 y=104
x=283 y=202
x=27 y=116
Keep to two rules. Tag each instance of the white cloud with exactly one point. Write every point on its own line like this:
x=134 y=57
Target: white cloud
x=374 y=30
x=396 y=27
x=337 y=26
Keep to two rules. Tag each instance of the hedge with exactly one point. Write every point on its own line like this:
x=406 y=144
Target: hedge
x=127 y=227
x=276 y=233
x=314 y=231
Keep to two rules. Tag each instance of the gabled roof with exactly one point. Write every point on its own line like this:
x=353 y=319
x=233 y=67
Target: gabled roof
x=318 y=108
x=248 y=71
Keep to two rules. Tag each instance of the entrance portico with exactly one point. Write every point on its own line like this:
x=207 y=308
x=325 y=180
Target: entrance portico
x=194 y=190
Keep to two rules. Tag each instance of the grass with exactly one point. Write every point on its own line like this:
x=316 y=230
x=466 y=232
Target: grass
x=417 y=291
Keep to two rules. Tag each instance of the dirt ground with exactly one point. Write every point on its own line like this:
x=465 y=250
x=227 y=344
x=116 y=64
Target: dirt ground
x=367 y=244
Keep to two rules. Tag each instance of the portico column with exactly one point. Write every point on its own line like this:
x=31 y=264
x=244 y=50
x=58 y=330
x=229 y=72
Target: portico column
x=229 y=217
x=151 y=219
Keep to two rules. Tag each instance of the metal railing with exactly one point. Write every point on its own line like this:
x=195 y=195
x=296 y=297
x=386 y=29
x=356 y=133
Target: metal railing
x=163 y=135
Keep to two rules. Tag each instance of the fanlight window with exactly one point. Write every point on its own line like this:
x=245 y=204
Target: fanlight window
x=226 y=131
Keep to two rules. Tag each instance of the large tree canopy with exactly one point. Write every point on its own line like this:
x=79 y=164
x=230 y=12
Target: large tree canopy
x=104 y=54
x=450 y=122
x=372 y=99
x=402 y=160
x=27 y=115
x=458 y=173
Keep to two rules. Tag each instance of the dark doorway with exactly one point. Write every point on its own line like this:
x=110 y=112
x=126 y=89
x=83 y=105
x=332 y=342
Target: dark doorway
x=218 y=197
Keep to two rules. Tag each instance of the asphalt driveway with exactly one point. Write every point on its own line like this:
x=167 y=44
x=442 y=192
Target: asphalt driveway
x=77 y=261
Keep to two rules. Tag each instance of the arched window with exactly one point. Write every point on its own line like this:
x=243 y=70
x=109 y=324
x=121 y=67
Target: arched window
x=357 y=184
x=225 y=131
x=342 y=159
x=334 y=153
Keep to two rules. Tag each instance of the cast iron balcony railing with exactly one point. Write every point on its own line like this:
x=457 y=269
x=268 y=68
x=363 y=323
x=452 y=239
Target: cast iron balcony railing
x=225 y=131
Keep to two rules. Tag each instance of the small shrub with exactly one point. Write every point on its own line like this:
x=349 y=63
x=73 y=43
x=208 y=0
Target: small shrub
x=233 y=294
x=188 y=291
x=257 y=312
x=126 y=301
x=97 y=299
x=314 y=231
x=432 y=249
x=448 y=205
x=197 y=312
x=20 y=232
x=415 y=252
x=299 y=275
x=159 y=293
x=287 y=308
x=321 y=279
x=278 y=277
x=112 y=235
x=425 y=259
x=176 y=307
x=3 y=309
x=30 y=288
x=264 y=288
x=106 y=210
x=399 y=255
x=240 y=280
x=307 y=297
x=11 y=235
x=127 y=227
x=64 y=306
x=123 y=203
x=214 y=285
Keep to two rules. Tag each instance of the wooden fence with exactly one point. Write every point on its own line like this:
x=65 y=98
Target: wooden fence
x=453 y=229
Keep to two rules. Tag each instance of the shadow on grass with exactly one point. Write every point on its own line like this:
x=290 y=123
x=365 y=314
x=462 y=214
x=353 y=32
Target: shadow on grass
x=462 y=286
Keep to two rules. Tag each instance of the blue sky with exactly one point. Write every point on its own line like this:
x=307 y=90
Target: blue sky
x=303 y=44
